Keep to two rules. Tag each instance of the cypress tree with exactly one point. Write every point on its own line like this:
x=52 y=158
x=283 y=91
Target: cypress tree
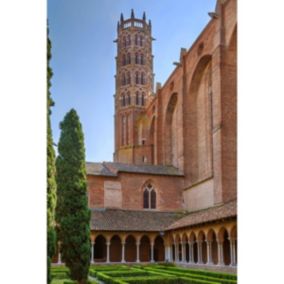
x=73 y=214
x=51 y=171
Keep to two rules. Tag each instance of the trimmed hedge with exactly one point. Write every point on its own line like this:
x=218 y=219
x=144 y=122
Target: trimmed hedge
x=219 y=275
x=130 y=273
x=193 y=276
x=164 y=280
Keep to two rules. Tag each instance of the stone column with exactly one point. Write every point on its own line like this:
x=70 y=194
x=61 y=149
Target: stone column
x=92 y=251
x=166 y=253
x=191 y=258
x=123 y=252
x=232 y=252
x=183 y=253
x=152 y=251
x=209 y=253
x=220 y=253
x=137 y=251
x=176 y=252
x=108 y=246
x=199 y=252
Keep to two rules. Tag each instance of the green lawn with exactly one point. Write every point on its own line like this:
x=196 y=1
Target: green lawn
x=147 y=274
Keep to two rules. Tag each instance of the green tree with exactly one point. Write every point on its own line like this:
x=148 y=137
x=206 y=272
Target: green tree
x=73 y=214
x=51 y=171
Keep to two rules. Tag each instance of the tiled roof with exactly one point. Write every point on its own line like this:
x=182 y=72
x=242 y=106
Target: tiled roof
x=112 y=169
x=108 y=219
x=215 y=213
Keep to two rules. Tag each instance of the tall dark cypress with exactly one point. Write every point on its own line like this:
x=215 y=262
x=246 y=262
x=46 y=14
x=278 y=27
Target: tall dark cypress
x=73 y=214
x=51 y=171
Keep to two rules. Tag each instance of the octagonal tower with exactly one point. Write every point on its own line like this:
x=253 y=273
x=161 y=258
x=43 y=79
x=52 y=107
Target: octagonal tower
x=134 y=89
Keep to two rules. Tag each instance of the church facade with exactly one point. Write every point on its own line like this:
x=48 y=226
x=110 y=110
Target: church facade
x=170 y=193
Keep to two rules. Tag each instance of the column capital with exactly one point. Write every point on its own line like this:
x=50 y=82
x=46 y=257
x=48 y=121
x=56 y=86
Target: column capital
x=108 y=243
x=137 y=243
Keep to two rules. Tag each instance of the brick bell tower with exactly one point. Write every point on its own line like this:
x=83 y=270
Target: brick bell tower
x=134 y=89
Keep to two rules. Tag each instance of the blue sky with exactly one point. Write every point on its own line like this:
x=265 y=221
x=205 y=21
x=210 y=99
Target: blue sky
x=82 y=34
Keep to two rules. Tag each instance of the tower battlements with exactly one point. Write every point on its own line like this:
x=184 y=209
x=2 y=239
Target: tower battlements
x=133 y=22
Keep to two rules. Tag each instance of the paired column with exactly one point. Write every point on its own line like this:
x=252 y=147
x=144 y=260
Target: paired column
x=176 y=252
x=199 y=252
x=123 y=251
x=220 y=253
x=191 y=258
x=137 y=251
x=183 y=252
x=152 y=251
x=92 y=251
x=108 y=245
x=209 y=253
x=233 y=252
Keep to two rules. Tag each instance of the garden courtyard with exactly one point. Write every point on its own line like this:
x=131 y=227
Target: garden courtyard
x=150 y=274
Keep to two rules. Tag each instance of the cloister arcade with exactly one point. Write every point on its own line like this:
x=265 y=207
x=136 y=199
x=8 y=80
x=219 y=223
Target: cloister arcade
x=208 y=246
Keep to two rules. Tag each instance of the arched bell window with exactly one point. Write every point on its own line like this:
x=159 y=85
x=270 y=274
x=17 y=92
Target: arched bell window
x=149 y=197
x=137 y=98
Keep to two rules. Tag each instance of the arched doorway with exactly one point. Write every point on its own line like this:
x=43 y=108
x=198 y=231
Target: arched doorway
x=100 y=249
x=159 y=249
x=145 y=249
x=115 y=249
x=130 y=249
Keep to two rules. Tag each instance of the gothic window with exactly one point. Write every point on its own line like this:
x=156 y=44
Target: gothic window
x=128 y=78
x=143 y=78
x=128 y=40
x=136 y=77
x=124 y=41
x=146 y=199
x=136 y=58
x=123 y=79
x=122 y=99
x=123 y=59
x=137 y=98
x=149 y=197
x=141 y=40
x=123 y=130
x=143 y=99
x=128 y=58
x=153 y=199
x=142 y=59
x=128 y=98
x=136 y=39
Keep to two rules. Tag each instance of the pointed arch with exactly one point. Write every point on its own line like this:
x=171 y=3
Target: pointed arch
x=170 y=152
x=149 y=196
x=198 y=110
x=152 y=138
